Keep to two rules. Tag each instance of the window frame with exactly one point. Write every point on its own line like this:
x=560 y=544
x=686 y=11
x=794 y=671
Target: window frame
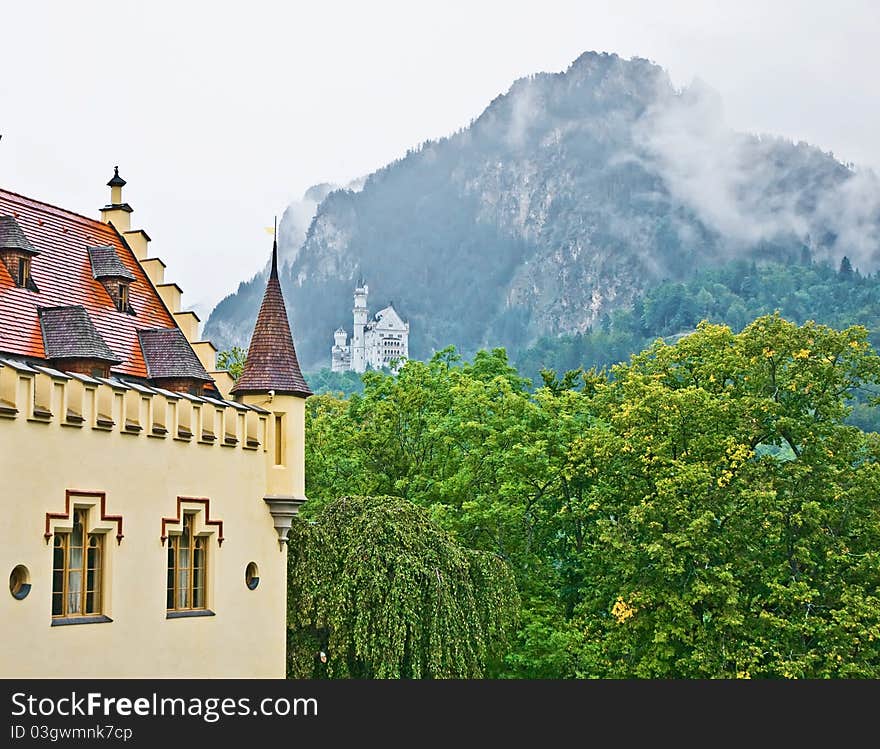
x=24 y=272
x=92 y=578
x=196 y=544
x=122 y=301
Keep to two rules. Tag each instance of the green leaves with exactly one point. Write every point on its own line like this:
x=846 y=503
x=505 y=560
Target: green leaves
x=734 y=563
x=386 y=594
x=703 y=511
x=233 y=360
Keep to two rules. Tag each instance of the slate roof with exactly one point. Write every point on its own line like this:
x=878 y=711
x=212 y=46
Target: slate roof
x=271 y=360
x=68 y=333
x=13 y=238
x=106 y=264
x=63 y=275
x=167 y=353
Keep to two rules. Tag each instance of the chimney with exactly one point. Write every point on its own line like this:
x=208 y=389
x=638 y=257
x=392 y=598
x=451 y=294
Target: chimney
x=117 y=212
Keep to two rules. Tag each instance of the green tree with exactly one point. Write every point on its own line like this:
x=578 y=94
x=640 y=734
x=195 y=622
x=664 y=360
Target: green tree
x=385 y=593
x=338 y=383
x=704 y=510
x=735 y=518
x=232 y=360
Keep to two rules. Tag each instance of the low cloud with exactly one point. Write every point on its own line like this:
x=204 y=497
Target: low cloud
x=758 y=188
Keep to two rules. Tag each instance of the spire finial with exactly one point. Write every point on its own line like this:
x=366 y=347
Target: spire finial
x=116 y=180
x=274 y=272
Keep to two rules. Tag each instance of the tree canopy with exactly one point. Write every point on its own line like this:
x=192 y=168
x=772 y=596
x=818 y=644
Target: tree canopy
x=232 y=360
x=383 y=592
x=703 y=510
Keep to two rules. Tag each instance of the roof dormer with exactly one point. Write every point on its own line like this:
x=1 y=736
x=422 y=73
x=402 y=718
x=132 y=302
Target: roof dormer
x=112 y=273
x=72 y=343
x=17 y=252
x=171 y=362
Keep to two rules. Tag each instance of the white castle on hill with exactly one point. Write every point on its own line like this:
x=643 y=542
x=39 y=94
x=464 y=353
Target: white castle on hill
x=375 y=343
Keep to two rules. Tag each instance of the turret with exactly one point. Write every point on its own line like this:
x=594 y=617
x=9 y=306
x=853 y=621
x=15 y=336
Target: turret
x=358 y=343
x=272 y=380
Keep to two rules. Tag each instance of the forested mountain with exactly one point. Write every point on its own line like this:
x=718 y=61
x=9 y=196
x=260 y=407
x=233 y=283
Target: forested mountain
x=733 y=294
x=564 y=200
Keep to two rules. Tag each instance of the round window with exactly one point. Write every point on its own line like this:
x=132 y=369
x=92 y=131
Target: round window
x=20 y=582
x=252 y=575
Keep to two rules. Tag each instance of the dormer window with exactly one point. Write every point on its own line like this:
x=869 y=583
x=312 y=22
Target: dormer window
x=113 y=275
x=72 y=343
x=122 y=298
x=16 y=253
x=24 y=272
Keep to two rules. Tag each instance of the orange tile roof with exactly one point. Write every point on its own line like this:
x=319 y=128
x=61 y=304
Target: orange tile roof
x=63 y=274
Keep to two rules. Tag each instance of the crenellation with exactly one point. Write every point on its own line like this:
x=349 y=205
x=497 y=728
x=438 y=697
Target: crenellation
x=207 y=422
x=252 y=430
x=104 y=398
x=73 y=404
x=183 y=412
x=8 y=388
x=59 y=399
x=41 y=402
x=159 y=412
x=51 y=397
x=131 y=419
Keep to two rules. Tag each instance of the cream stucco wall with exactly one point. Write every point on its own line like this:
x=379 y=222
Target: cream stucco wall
x=142 y=476
x=284 y=478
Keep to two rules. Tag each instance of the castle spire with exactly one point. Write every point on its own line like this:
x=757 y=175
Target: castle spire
x=271 y=360
x=273 y=273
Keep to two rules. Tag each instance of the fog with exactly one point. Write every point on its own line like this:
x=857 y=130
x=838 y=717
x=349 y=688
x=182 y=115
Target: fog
x=733 y=181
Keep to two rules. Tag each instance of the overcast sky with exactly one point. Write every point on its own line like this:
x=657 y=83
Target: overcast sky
x=220 y=114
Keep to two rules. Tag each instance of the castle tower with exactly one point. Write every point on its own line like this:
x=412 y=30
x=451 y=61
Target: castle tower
x=358 y=343
x=340 y=355
x=272 y=380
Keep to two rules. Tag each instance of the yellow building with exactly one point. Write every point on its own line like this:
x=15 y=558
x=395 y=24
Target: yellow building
x=146 y=498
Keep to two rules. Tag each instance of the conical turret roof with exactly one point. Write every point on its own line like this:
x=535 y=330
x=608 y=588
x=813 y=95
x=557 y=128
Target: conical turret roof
x=271 y=360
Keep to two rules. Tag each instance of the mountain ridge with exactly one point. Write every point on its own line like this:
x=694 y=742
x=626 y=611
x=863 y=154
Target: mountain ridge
x=567 y=196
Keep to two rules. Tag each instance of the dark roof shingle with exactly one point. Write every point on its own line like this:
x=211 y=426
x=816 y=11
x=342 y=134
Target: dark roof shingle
x=68 y=333
x=106 y=264
x=271 y=359
x=13 y=238
x=168 y=354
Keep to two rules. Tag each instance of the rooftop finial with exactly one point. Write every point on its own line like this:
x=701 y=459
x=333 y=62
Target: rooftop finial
x=274 y=272
x=116 y=180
